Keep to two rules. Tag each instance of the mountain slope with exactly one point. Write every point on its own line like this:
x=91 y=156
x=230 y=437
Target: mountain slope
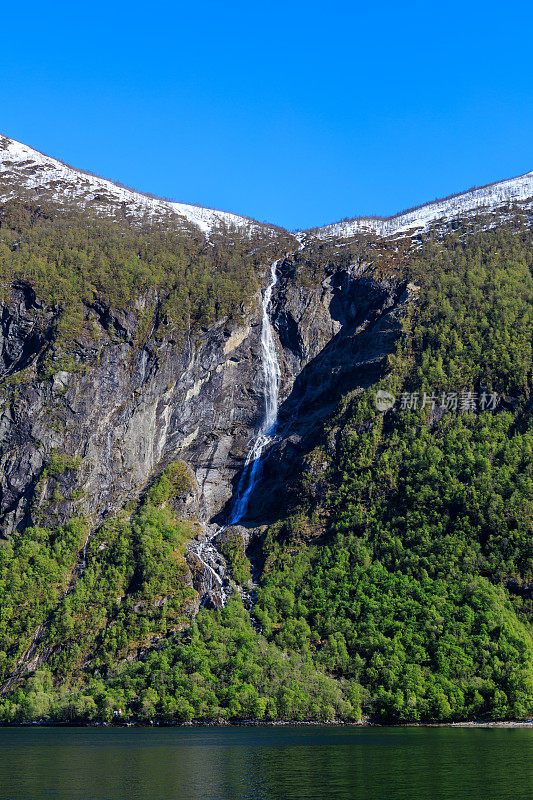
x=384 y=565
x=26 y=173
x=494 y=199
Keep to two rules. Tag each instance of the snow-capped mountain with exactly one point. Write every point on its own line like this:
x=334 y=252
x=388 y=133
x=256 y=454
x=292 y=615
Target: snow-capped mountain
x=493 y=197
x=25 y=170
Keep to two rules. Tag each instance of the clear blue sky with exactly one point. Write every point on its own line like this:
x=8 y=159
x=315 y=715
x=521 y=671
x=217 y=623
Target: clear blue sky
x=295 y=113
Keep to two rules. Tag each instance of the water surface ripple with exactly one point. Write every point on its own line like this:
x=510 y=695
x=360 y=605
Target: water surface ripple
x=265 y=763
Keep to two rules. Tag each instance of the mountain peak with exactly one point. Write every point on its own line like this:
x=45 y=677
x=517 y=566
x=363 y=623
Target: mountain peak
x=492 y=197
x=24 y=170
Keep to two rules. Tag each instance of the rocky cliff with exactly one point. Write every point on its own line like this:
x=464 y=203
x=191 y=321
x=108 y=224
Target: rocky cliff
x=86 y=437
x=384 y=554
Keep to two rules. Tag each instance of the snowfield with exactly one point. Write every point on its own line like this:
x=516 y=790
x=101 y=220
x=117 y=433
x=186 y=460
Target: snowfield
x=484 y=199
x=40 y=175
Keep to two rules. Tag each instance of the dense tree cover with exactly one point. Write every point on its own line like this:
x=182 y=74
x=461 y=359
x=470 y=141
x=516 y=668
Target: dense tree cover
x=400 y=591
x=232 y=545
x=430 y=511
x=132 y=591
x=35 y=568
x=70 y=258
x=134 y=588
x=424 y=646
x=475 y=321
x=222 y=669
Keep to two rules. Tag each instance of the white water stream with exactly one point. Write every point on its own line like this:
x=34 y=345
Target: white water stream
x=271 y=375
x=266 y=432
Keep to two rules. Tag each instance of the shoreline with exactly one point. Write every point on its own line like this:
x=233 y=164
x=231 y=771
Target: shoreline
x=366 y=723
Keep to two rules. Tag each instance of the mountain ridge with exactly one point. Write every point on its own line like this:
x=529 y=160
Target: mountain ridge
x=43 y=173
x=51 y=173
x=490 y=197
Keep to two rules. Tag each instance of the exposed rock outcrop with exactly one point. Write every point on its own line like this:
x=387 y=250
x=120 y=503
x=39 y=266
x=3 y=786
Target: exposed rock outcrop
x=119 y=410
x=85 y=434
x=334 y=338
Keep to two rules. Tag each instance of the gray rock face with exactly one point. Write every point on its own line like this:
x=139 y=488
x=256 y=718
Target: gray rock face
x=334 y=338
x=117 y=411
x=122 y=411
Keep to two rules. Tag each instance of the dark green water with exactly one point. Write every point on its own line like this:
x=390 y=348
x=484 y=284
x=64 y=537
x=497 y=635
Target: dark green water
x=326 y=763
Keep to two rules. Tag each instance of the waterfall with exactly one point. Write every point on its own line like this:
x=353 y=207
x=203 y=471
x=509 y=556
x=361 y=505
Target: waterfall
x=250 y=475
x=271 y=375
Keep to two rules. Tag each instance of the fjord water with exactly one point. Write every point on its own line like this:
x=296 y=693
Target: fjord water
x=266 y=763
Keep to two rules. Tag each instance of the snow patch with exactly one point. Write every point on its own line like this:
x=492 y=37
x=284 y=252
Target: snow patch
x=24 y=169
x=485 y=199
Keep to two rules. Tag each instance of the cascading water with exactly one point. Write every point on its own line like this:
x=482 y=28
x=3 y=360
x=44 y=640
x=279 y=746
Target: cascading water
x=271 y=374
x=265 y=434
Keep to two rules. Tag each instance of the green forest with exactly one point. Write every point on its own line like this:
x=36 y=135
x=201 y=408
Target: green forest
x=71 y=258
x=400 y=591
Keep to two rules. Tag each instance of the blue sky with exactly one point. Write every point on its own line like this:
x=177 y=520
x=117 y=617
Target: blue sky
x=295 y=113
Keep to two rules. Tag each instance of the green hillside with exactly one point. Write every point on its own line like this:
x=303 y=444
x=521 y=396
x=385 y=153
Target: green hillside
x=397 y=586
